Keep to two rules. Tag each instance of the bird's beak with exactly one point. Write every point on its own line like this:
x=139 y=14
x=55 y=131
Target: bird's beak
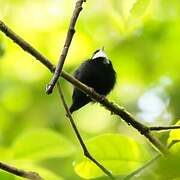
x=102 y=48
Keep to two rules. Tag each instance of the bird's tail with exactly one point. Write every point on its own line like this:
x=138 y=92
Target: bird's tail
x=76 y=106
x=72 y=109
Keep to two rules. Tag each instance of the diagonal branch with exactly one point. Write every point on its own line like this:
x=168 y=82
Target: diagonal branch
x=19 y=172
x=112 y=107
x=161 y=128
x=85 y=150
x=67 y=43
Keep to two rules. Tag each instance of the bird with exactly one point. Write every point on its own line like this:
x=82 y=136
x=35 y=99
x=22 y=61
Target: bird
x=97 y=73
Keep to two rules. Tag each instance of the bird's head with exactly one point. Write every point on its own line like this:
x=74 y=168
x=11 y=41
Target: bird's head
x=100 y=53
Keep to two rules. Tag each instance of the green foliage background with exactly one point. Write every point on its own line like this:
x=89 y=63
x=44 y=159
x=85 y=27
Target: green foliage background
x=141 y=37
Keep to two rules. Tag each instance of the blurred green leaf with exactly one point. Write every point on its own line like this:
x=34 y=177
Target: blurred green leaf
x=38 y=144
x=163 y=168
x=174 y=137
x=174 y=134
x=2 y=48
x=47 y=174
x=16 y=99
x=167 y=168
x=139 y=7
x=43 y=172
x=6 y=176
x=119 y=154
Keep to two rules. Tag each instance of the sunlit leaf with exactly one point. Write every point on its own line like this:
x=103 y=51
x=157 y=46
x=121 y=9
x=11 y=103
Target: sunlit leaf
x=2 y=48
x=6 y=176
x=174 y=134
x=43 y=172
x=5 y=153
x=139 y=7
x=47 y=174
x=119 y=154
x=165 y=168
x=5 y=120
x=174 y=138
x=39 y=144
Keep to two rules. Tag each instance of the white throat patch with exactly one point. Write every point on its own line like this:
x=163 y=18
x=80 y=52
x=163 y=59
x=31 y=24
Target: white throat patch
x=99 y=54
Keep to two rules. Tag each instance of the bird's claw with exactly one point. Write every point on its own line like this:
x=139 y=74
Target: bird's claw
x=91 y=91
x=102 y=97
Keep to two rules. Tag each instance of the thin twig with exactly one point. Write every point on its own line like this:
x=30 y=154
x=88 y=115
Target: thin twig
x=161 y=128
x=112 y=107
x=19 y=172
x=134 y=173
x=85 y=150
x=70 y=34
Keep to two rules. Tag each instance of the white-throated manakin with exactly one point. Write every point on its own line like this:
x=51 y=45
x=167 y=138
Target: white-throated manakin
x=97 y=73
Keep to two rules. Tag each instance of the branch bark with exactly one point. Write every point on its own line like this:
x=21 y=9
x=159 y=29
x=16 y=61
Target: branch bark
x=67 y=43
x=112 y=107
x=19 y=172
x=161 y=128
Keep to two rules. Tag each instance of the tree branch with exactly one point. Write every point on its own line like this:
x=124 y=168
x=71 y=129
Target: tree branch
x=112 y=107
x=161 y=128
x=19 y=172
x=67 y=43
x=85 y=150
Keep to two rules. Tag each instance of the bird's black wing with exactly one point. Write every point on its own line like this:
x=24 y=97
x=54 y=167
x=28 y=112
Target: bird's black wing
x=83 y=71
x=79 y=98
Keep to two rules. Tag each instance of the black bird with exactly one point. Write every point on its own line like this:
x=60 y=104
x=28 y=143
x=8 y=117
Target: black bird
x=97 y=73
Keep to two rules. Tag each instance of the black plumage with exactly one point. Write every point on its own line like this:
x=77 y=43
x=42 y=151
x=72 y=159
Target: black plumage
x=97 y=73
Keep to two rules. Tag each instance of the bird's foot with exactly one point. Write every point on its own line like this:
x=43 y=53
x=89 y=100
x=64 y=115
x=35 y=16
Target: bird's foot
x=102 y=98
x=112 y=113
x=91 y=91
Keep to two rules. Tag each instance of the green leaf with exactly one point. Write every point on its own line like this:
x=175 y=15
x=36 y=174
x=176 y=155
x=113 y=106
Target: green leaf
x=139 y=7
x=38 y=144
x=43 y=172
x=166 y=168
x=2 y=48
x=6 y=176
x=118 y=153
x=47 y=174
x=174 y=136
